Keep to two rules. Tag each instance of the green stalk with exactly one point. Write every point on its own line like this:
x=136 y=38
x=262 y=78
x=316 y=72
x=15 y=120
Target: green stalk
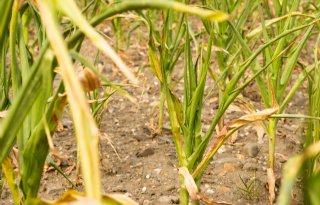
x=85 y=127
x=161 y=107
x=5 y=9
x=172 y=103
x=4 y=81
x=25 y=132
x=183 y=193
x=15 y=73
x=272 y=128
x=190 y=86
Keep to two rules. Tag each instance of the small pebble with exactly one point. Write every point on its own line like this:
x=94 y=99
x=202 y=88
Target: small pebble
x=210 y=191
x=170 y=188
x=144 y=189
x=168 y=199
x=56 y=191
x=158 y=170
x=222 y=149
x=251 y=149
x=250 y=166
x=128 y=194
x=146 y=202
x=145 y=153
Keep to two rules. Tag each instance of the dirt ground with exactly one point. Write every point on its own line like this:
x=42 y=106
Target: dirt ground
x=143 y=166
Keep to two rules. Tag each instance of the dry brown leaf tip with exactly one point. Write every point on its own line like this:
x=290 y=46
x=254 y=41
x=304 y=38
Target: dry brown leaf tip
x=89 y=80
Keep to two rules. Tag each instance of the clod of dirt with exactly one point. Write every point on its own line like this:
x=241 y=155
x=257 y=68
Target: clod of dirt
x=5 y=194
x=222 y=149
x=168 y=200
x=251 y=149
x=145 y=153
x=231 y=160
x=170 y=188
x=56 y=191
x=250 y=166
x=223 y=189
x=229 y=167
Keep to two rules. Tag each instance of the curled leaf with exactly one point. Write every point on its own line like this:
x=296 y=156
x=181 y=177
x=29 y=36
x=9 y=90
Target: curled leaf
x=253 y=117
x=76 y=198
x=89 y=80
x=241 y=105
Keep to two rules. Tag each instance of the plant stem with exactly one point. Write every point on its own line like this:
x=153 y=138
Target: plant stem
x=183 y=194
x=272 y=140
x=270 y=172
x=161 y=108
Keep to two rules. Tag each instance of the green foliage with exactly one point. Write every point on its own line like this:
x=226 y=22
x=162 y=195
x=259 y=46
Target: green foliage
x=313 y=189
x=241 y=42
x=34 y=107
x=249 y=188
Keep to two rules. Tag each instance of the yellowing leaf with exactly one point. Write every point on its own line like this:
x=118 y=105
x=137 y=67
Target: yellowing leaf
x=76 y=198
x=189 y=183
x=253 y=117
x=228 y=130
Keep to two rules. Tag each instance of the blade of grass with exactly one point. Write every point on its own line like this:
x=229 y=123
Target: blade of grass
x=85 y=127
